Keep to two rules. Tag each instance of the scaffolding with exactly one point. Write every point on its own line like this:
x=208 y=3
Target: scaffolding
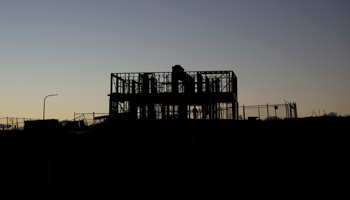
x=202 y=95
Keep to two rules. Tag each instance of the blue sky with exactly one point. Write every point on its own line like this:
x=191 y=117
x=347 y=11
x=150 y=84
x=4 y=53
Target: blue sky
x=297 y=51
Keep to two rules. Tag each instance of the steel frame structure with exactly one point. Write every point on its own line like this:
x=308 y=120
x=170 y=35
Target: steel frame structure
x=205 y=95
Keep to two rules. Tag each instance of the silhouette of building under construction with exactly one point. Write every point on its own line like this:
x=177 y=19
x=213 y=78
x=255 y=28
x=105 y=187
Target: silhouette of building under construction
x=204 y=95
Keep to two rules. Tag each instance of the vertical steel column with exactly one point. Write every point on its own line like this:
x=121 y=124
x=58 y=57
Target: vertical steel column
x=230 y=82
x=199 y=83
x=167 y=111
x=203 y=112
x=237 y=110
x=210 y=111
x=110 y=98
x=133 y=89
x=123 y=86
x=163 y=111
x=116 y=94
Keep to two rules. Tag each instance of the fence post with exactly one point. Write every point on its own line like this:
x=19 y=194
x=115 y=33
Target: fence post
x=295 y=110
x=276 y=112
x=243 y=113
x=268 y=116
x=93 y=118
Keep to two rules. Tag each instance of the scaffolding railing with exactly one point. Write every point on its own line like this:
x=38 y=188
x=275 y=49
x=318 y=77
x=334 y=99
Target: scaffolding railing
x=268 y=111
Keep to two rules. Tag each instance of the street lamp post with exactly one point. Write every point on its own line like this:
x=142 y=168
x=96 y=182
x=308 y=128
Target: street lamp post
x=49 y=159
x=44 y=103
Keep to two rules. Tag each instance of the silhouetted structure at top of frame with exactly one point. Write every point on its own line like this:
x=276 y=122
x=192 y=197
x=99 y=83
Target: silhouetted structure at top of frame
x=201 y=95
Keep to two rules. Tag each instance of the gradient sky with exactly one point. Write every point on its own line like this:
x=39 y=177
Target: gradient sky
x=297 y=50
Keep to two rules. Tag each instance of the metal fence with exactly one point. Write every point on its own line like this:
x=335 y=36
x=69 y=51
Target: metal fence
x=268 y=111
x=13 y=123
x=261 y=112
x=18 y=123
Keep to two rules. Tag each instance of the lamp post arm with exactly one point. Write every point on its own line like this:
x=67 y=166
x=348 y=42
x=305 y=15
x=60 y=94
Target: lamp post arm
x=44 y=104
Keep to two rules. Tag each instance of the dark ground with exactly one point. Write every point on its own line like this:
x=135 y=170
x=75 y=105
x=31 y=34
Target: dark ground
x=246 y=157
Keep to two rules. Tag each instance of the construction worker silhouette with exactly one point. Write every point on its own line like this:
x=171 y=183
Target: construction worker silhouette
x=194 y=113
